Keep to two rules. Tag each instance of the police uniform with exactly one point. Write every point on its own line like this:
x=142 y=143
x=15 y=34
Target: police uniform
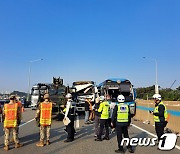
x=70 y=113
x=160 y=118
x=104 y=110
x=44 y=112
x=121 y=118
x=11 y=116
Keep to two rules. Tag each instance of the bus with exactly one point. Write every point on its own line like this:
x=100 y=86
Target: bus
x=116 y=86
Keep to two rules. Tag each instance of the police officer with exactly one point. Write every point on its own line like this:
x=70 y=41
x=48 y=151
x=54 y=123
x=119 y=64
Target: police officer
x=122 y=117
x=104 y=110
x=160 y=115
x=11 y=116
x=70 y=113
x=44 y=112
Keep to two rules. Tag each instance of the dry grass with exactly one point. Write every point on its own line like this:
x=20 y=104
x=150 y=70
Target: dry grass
x=171 y=105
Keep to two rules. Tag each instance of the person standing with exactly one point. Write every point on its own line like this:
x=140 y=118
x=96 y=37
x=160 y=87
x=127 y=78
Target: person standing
x=87 y=110
x=160 y=115
x=121 y=117
x=97 y=116
x=11 y=116
x=44 y=112
x=104 y=119
x=70 y=113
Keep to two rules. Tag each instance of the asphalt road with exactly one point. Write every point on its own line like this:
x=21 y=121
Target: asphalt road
x=84 y=140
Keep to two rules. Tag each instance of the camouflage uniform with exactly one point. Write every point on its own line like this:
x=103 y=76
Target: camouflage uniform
x=44 y=129
x=7 y=131
x=7 y=134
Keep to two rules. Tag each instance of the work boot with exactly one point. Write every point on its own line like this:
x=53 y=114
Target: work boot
x=40 y=144
x=106 y=138
x=130 y=150
x=98 y=139
x=119 y=151
x=48 y=142
x=18 y=145
x=68 y=140
x=6 y=148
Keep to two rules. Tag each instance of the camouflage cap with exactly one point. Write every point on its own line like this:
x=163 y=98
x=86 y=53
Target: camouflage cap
x=12 y=97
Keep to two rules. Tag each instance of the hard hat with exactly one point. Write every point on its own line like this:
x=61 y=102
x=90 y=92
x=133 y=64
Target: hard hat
x=101 y=98
x=121 y=98
x=68 y=95
x=157 y=96
x=46 y=96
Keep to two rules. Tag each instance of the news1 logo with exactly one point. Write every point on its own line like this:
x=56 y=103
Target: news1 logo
x=167 y=141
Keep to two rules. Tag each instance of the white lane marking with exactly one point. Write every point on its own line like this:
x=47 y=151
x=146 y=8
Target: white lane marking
x=27 y=122
x=178 y=147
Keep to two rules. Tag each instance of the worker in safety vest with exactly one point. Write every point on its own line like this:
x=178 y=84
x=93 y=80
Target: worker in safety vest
x=20 y=118
x=104 y=110
x=20 y=113
x=69 y=113
x=44 y=113
x=160 y=115
x=11 y=116
x=121 y=117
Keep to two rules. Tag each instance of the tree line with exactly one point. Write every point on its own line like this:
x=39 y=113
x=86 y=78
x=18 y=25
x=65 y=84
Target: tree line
x=166 y=93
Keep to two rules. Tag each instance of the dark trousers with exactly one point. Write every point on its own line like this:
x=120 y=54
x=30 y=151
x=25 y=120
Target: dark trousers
x=96 y=120
x=159 y=127
x=70 y=129
x=103 y=122
x=121 y=130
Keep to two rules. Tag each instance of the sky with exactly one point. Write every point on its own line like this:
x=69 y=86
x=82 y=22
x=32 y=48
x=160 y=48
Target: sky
x=89 y=40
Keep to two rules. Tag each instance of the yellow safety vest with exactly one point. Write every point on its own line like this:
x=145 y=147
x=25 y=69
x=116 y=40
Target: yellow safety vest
x=45 y=114
x=156 y=118
x=10 y=115
x=104 y=109
x=122 y=112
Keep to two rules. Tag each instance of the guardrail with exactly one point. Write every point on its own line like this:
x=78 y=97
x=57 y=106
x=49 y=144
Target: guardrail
x=173 y=107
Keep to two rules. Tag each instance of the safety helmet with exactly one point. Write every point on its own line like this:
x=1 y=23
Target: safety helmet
x=157 y=96
x=101 y=98
x=121 y=98
x=68 y=95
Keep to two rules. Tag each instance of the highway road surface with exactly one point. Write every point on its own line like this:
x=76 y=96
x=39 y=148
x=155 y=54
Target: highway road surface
x=84 y=140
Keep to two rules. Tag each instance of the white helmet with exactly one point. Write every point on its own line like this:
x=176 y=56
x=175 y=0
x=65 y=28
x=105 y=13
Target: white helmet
x=68 y=95
x=101 y=98
x=121 y=98
x=157 y=96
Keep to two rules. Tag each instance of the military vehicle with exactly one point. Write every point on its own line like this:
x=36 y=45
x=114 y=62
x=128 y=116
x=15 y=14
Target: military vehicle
x=57 y=92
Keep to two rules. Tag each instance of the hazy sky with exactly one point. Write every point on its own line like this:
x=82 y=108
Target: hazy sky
x=89 y=40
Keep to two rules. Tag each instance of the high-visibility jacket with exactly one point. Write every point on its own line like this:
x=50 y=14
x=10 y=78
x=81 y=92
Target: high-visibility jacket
x=156 y=118
x=10 y=111
x=20 y=106
x=122 y=112
x=45 y=114
x=104 y=109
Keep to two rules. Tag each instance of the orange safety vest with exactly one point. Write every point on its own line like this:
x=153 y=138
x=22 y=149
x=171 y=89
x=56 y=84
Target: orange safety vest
x=10 y=115
x=20 y=106
x=45 y=114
